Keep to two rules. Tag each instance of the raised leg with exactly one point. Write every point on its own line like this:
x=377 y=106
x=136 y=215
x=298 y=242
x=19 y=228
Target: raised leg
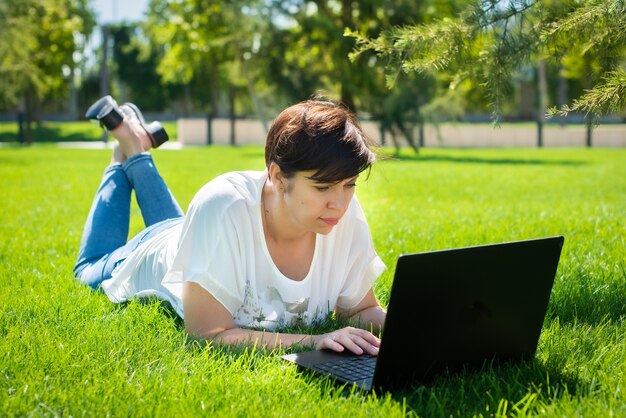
x=153 y=196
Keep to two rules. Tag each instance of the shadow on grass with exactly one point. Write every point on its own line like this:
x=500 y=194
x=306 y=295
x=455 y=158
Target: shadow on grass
x=164 y=307
x=48 y=134
x=480 y=160
x=524 y=385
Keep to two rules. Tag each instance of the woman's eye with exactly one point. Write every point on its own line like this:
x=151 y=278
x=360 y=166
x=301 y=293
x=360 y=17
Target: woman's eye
x=351 y=185
x=322 y=188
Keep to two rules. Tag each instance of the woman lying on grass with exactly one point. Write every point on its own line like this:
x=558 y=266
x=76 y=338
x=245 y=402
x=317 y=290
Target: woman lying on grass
x=257 y=250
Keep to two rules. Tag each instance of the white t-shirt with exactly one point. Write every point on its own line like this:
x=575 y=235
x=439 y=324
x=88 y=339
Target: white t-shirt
x=221 y=246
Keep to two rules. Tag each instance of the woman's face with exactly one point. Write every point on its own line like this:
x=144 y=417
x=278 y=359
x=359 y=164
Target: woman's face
x=314 y=206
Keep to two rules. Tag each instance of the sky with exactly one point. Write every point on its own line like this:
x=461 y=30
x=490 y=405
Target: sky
x=113 y=11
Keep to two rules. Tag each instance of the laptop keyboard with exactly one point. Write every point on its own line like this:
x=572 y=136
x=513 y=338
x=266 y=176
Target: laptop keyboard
x=350 y=369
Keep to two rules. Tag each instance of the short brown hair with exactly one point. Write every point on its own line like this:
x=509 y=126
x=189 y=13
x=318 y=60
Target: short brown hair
x=318 y=135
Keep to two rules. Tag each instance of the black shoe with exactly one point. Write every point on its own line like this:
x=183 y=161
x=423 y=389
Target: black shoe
x=156 y=131
x=106 y=111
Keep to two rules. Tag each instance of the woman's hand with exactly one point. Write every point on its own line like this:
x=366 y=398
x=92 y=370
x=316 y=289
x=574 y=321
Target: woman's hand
x=358 y=341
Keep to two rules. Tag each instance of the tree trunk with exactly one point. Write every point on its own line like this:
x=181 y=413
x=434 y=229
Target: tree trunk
x=251 y=90
x=73 y=99
x=394 y=140
x=104 y=65
x=345 y=45
x=543 y=98
x=408 y=134
x=28 y=115
x=562 y=95
x=347 y=98
x=214 y=87
x=20 y=127
x=36 y=112
x=104 y=72
x=231 y=111
x=28 y=130
x=588 y=83
x=186 y=99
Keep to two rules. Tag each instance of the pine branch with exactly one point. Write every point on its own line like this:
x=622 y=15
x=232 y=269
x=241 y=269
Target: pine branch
x=606 y=97
x=602 y=22
x=437 y=46
x=421 y=49
x=379 y=45
x=431 y=47
x=489 y=42
x=486 y=14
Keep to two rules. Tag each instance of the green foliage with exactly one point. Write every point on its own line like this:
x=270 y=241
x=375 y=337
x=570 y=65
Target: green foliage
x=207 y=45
x=607 y=97
x=410 y=99
x=282 y=52
x=65 y=350
x=136 y=67
x=491 y=41
x=598 y=55
x=39 y=38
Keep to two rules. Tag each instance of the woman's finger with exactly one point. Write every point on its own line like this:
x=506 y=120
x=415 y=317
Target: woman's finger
x=358 y=343
x=347 y=340
x=367 y=336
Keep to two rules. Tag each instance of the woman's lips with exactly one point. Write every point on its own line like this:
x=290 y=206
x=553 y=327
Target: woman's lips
x=330 y=221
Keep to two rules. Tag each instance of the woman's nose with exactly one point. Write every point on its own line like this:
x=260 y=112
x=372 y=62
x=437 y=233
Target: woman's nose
x=339 y=200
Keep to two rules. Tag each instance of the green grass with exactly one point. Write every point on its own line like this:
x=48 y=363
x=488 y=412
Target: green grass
x=65 y=350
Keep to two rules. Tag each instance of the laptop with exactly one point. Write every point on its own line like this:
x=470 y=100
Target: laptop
x=451 y=310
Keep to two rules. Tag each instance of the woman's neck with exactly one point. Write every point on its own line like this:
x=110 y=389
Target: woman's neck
x=290 y=248
x=277 y=224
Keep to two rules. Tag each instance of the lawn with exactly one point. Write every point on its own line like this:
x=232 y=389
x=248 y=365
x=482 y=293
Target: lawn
x=65 y=350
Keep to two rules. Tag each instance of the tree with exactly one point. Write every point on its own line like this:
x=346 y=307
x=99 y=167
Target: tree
x=210 y=43
x=289 y=50
x=314 y=53
x=39 y=38
x=135 y=67
x=310 y=54
x=491 y=40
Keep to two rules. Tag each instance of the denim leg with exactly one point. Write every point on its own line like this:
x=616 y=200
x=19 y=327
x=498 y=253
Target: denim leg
x=106 y=228
x=104 y=245
x=153 y=196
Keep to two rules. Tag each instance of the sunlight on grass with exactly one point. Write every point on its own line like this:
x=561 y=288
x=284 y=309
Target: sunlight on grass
x=65 y=350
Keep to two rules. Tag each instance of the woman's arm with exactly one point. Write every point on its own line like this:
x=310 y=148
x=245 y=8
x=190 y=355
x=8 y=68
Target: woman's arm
x=368 y=314
x=207 y=319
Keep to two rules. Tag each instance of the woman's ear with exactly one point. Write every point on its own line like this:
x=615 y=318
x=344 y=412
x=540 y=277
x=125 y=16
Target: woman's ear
x=277 y=177
x=275 y=174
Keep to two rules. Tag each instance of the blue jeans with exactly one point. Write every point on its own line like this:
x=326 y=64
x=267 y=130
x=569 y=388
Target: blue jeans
x=104 y=242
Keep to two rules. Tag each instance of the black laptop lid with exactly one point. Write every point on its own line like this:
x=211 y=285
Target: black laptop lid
x=461 y=307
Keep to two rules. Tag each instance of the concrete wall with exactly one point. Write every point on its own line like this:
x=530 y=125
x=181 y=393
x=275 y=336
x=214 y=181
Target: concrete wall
x=249 y=131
